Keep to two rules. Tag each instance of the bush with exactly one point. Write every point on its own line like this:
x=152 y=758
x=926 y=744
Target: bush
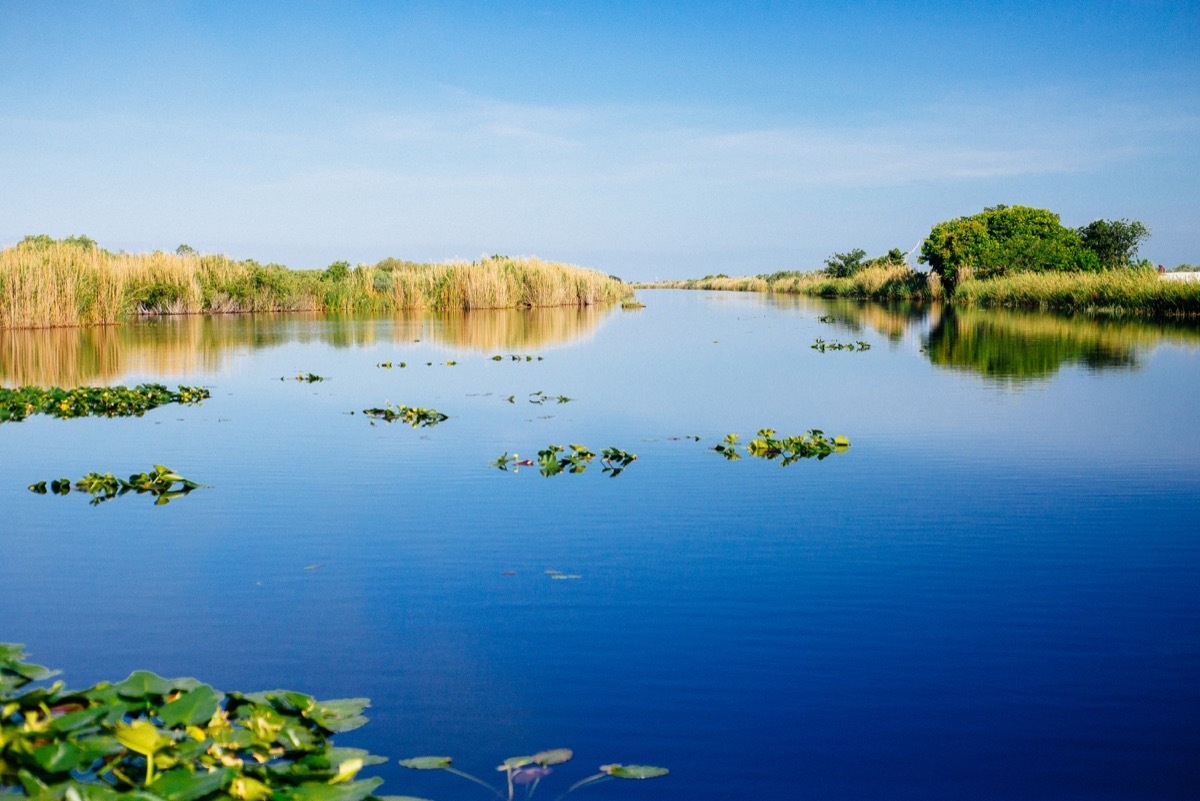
x=338 y=271
x=1009 y=239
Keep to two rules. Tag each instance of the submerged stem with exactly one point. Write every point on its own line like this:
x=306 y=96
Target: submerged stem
x=471 y=778
x=593 y=779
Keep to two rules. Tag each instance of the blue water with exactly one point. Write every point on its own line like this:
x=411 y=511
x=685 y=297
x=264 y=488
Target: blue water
x=995 y=593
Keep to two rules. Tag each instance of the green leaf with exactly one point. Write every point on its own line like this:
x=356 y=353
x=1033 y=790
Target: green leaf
x=354 y=791
x=142 y=684
x=59 y=757
x=340 y=715
x=426 y=762
x=183 y=785
x=193 y=708
x=633 y=771
x=555 y=756
x=142 y=737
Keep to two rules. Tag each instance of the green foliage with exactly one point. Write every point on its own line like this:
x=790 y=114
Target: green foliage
x=153 y=739
x=845 y=265
x=337 y=272
x=555 y=459
x=792 y=449
x=118 y=401
x=185 y=250
x=1002 y=240
x=1115 y=242
x=413 y=415
x=530 y=770
x=822 y=346
x=307 y=378
x=159 y=482
x=44 y=241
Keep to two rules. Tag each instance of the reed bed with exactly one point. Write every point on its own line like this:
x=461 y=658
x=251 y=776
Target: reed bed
x=63 y=284
x=1113 y=292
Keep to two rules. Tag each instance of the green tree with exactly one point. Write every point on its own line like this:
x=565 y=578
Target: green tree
x=844 y=265
x=185 y=250
x=1115 y=242
x=1004 y=239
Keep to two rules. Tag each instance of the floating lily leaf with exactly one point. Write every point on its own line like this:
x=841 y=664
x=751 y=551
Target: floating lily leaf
x=184 y=785
x=116 y=401
x=633 y=771
x=426 y=762
x=190 y=709
x=415 y=416
x=142 y=737
x=308 y=378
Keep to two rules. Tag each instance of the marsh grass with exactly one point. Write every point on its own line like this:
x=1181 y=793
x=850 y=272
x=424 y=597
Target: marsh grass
x=1112 y=292
x=62 y=284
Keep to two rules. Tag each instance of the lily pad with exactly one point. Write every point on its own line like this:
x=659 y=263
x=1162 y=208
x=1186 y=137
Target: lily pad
x=633 y=771
x=426 y=762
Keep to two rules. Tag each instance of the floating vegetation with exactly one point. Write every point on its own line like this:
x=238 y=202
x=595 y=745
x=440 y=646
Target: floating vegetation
x=540 y=397
x=118 y=401
x=308 y=378
x=149 y=738
x=825 y=318
x=159 y=482
x=389 y=365
x=413 y=415
x=451 y=363
x=516 y=358
x=822 y=346
x=616 y=460
x=555 y=459
x=791 y=449
x=530 y=770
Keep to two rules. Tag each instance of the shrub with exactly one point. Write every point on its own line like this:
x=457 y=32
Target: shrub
x=1006 y=239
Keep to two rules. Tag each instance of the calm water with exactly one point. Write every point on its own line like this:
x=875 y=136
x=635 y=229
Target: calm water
x=994 y=594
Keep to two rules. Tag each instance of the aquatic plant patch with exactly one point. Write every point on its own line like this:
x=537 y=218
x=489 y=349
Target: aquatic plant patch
x=528 y=771
x=822 y=346
x=389 y=365
x=516 y=358
x=813 y=444
x=149 y=738
x=555 y=459
x=307 y=378
x=117 y=401
x=540 y=397
x=413 y=415
x=160 y=482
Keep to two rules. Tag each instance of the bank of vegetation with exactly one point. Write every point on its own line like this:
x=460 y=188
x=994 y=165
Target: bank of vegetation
x=1005 y=256
x=47 y=283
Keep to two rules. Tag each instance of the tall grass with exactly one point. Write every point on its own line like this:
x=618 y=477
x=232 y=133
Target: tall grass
x=69 y=285
x=1112 y=292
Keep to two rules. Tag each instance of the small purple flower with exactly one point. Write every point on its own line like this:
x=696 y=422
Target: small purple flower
x=529 y=774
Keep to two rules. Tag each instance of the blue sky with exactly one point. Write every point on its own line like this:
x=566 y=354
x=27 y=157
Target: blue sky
x=644 y=139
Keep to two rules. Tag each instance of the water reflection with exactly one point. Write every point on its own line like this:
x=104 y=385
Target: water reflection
x=1020 y=346
x=188 y=344
x=1005 y=344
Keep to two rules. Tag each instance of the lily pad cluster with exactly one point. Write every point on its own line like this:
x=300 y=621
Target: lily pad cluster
x=555 y=459
x=116 y=401
x=307 y=378
x=390 y=365
x=530 y=770
x=516 y=358
x=149 y=738
x=813 y=444
x=540 y=397
x=822 y=346
x=160 y=482
x=413 y=415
